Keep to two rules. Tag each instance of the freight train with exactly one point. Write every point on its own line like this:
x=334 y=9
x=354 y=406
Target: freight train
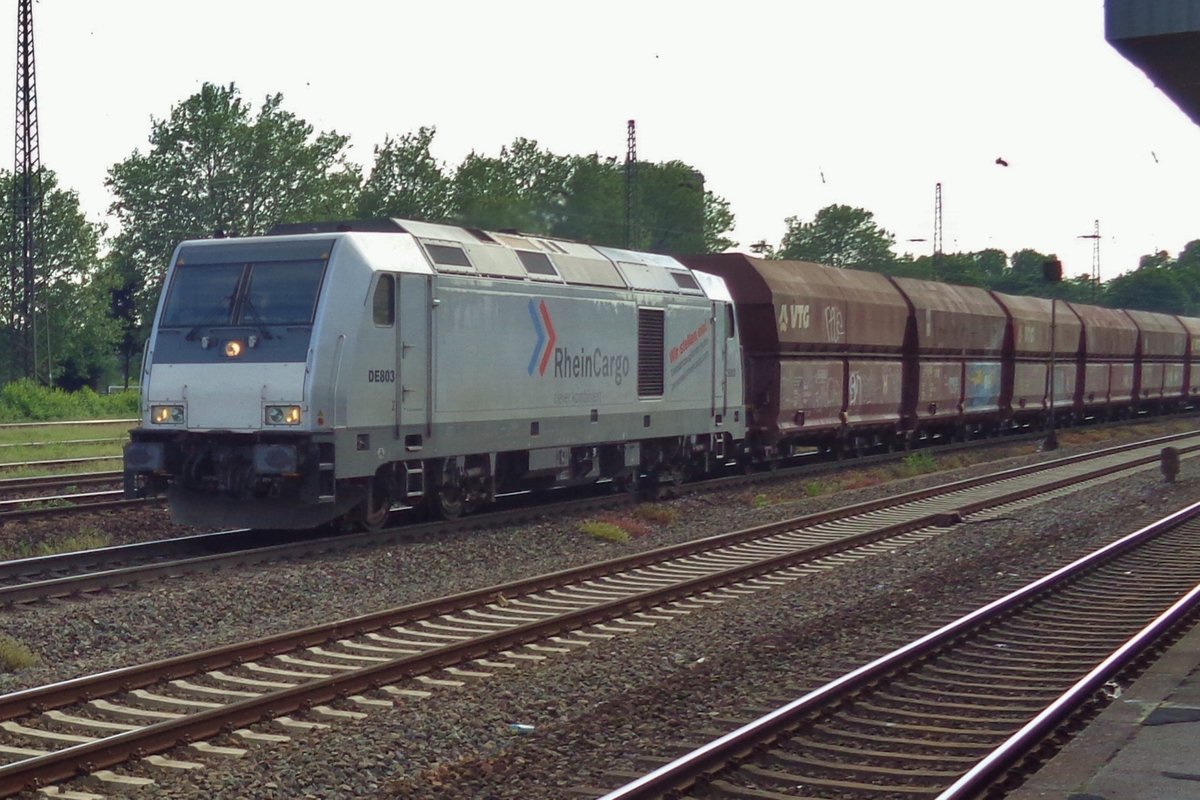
x=333 y=372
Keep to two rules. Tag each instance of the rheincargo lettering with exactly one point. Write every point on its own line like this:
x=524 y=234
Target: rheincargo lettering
x=596 y=364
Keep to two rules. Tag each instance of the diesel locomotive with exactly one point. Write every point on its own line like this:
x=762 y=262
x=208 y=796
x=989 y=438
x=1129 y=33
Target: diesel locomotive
x=336 y=371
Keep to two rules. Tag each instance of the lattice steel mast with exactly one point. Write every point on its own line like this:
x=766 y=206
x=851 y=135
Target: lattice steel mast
x=937 y=219
x=27 y=205
x=630 y=180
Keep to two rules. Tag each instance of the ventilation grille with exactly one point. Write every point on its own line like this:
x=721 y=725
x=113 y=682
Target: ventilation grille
x=651 y=345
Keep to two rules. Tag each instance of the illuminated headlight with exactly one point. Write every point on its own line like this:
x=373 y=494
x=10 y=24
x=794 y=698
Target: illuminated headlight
x=282 y=415
x=166 y=415
x=233 y=348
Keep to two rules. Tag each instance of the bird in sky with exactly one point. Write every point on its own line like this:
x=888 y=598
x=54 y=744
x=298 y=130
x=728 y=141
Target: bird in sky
x=1002 y=162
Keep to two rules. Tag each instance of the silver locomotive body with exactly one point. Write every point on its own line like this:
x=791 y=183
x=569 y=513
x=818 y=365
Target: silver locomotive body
x=293 y=379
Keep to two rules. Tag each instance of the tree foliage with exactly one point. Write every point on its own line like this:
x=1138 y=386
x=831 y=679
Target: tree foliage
x=406 y=181
x=839 y=236
x=74 y=333
x=520 y=189
x=528 y=188
x=214 y=164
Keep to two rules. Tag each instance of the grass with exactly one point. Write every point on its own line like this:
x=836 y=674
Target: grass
x=86 y=539
x=15 y=655
x=54 y=442
x=50 y=434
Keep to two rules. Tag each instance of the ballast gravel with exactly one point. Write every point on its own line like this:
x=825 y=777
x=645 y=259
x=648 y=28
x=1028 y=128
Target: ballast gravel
x=566 y=726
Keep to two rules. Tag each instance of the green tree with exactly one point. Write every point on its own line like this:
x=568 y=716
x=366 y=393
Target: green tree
x=584 y=198
x=839 y=236
x=670 y=209
x=672 y=212
x=718 y=221
x=521 y=189
x=74 y=333
x=215 y=165
x=406 y=181
x=1024 y=275
x=982 y=268
x=592 y=205
x=1150 y=288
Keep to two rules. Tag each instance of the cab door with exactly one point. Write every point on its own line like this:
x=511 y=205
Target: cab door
x=412 y=349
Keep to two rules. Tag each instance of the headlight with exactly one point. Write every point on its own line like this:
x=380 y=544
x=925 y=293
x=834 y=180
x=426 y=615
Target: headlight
x=166 y=415
x=275 y=459
x=233 y=348
x=144 y=456
x=282 y=415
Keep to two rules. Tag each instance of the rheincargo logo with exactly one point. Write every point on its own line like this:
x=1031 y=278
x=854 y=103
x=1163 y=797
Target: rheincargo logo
x=580 y=364
x=546 y=337
x=596 y=364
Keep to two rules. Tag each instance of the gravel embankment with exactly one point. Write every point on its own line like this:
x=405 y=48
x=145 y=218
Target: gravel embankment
x=597 y=708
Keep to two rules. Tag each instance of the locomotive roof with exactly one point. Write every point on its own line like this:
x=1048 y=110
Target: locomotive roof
x=453 y=249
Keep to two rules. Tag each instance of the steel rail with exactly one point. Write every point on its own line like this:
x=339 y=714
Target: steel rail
x=63 y=511
x=69 y=422
x=50 y=481
x=8 y=506
x=993 y=766
x=731 y=748
x=116 y=576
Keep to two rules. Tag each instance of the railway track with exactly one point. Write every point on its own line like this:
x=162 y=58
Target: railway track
x=968 y=706
x=66 y=574
x=30 y=498
x=27 y=497
x=345 y=668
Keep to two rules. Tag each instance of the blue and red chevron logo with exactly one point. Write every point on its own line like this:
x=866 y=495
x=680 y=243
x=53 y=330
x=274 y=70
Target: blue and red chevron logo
x=546 y=337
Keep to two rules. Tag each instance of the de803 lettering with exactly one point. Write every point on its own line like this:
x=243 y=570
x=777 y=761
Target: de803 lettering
x=381 y=376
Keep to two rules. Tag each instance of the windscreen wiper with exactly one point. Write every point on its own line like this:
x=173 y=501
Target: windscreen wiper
x=248 y=306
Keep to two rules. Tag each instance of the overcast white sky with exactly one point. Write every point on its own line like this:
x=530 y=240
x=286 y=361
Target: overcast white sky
x=786 y=106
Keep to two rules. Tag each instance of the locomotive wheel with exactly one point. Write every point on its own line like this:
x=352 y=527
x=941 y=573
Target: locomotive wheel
x=373 y=513
x=676 y=475
x=448 y=505
x=450 y=502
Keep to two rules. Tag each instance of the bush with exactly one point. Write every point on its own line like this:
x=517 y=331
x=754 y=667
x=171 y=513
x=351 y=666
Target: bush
x=658 y=514
x=918 y=464
x=27 y=401
x=634 y=527
x=604 y=530
x=15 y=655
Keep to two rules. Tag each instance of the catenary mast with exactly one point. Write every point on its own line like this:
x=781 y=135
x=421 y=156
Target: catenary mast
x=27 y=210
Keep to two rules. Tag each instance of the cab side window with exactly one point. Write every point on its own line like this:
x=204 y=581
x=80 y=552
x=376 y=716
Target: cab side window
x=383 y=304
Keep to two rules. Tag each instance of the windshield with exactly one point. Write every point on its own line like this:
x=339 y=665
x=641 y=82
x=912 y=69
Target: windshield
x=268 y=293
